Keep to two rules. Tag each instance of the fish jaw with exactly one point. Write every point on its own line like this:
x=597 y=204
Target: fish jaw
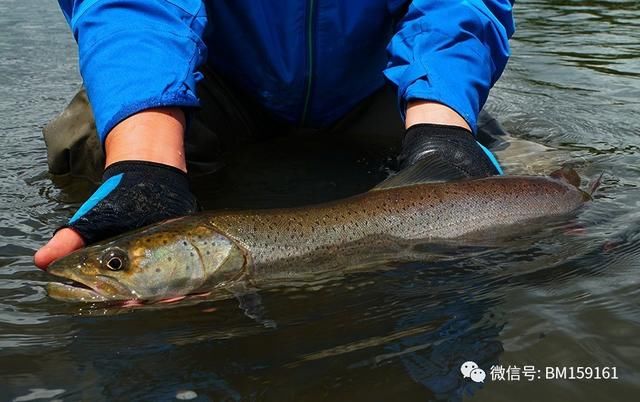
x=84 y=288
x=70 y=293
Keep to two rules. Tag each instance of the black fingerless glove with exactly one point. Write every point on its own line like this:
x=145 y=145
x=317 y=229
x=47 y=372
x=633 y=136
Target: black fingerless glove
x=450 y=147
x=133 y=194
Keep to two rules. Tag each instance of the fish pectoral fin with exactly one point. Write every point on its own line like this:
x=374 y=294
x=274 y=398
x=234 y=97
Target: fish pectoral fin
x=250 y=302
x=428 y=170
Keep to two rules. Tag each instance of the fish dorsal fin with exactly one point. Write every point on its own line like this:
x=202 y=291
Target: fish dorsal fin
x=568 y=175
x=428 y=170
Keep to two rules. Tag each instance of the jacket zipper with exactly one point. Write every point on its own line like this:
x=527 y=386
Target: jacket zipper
x=309 y=80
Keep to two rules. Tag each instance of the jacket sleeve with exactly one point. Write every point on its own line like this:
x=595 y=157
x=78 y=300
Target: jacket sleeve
x=450 y=52
x=137 y=54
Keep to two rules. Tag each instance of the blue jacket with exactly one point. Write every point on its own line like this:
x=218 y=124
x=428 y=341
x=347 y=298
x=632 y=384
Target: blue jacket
x=307 y=61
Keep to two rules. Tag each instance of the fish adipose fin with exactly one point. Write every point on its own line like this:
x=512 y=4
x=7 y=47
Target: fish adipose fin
x=428 y=170
x=594 y=184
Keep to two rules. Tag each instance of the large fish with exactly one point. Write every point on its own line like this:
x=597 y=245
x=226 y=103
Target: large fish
x=217 y=252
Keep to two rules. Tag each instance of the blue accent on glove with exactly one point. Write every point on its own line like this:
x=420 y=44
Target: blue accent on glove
x=492 y=158
x=452 y=150
x=104 y=190
x=133 y=194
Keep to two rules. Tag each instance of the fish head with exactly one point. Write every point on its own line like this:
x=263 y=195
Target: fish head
x=164 y=261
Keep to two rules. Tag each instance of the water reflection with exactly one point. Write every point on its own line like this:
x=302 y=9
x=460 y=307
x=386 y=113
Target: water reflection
x=406 y=333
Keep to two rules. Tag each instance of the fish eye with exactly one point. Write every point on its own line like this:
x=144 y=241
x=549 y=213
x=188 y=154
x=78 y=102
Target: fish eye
x=114 y=259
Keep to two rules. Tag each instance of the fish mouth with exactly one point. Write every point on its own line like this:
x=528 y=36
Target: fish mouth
x=98 y=288
x=75 y=292
x=77 y=288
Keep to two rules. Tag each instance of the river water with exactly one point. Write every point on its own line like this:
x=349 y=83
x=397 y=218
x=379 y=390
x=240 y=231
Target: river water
x=553 y=299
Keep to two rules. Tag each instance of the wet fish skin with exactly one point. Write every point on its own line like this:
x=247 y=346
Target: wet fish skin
x=167 y=260
x=216 y=251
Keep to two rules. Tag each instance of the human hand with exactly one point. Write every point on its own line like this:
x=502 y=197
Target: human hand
x=133 y=194
x=451 y=149
x=153 y=135
x=439 y=145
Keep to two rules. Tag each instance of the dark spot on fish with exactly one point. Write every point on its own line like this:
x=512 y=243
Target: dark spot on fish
x=184 y=243
x=169 y=259
x=164 y=241
x=157 y=269
x=208 y=252
x=191 y=254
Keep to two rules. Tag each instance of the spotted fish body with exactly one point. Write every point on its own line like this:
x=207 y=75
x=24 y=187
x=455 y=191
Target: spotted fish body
x=217 y=250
